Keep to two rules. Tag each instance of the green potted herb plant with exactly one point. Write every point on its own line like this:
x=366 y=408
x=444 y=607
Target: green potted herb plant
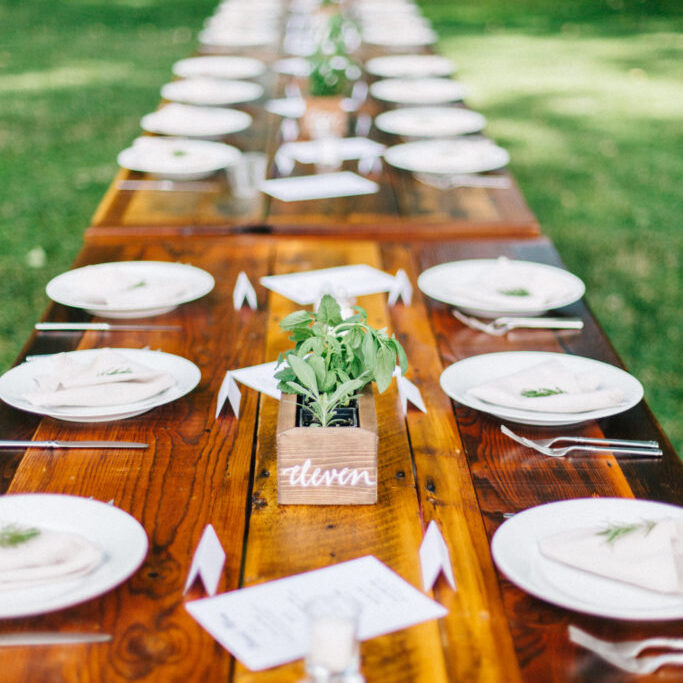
x=331 y=77
x=327 y=425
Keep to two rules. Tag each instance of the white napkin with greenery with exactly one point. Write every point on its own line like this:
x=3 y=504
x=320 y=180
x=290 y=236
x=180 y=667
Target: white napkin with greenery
x=645 y=553
x=509 y=284
x=125 y=288
x=30 y=556
x=548 y=387
x=108 y=378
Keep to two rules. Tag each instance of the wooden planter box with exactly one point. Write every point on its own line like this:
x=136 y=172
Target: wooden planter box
x=327 y=465
x=326 y=107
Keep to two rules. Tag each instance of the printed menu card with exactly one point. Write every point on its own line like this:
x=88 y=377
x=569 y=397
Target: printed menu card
x=266 y=625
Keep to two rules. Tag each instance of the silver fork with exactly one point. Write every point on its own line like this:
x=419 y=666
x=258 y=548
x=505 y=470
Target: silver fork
x=501 y=326
x=625 y=654
x=648 y=449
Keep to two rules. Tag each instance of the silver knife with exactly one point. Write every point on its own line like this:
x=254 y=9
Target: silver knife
x=170 y=185
x=105 y=327
x=51 y=638
x=71 y=444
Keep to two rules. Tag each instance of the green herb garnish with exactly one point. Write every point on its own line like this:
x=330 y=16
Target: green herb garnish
x=613 y=532
x=115 y=371
x=540 y=393
x=137 y=285
x=520 y=291
x=179 y=153
x=13 y=535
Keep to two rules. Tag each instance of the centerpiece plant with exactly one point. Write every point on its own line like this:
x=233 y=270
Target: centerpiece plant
x=335 y=358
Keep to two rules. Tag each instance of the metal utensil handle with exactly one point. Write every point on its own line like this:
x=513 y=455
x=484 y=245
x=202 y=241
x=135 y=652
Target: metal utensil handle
x=71 y=326
x=644 y=452
x=606 y=441
x=543 y=323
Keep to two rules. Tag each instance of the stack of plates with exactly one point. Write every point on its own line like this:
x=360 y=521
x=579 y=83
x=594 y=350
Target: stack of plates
x=120 y=536
x=410 y=66
x=447 y=156
x=430 y=122
x=458 y=378
x=186 y=120
x=218 y=66
x=172 y=284
x=177 y=158
x=418 y=91
x=211 y=91
x=448 y=282
x=515 y=551
x=16 y=383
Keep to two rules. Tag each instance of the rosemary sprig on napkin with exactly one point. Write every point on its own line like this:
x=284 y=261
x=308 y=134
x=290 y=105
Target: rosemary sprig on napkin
x=12 y=535
x=613 y=532
x=540 y=393
x=520 y=291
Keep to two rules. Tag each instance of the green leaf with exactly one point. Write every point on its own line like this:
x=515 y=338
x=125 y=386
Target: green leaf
x=369 y=352
x=296 y=319
x=318 y=365
x=329 y=311
x=386 y=362
x=304 y=372
x=343 y=391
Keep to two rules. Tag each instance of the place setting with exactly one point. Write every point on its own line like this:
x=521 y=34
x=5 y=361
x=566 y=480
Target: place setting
x=430 y=122
x=417 y=91
x=57 y=551
x=229 y=67
x=410 y=66
x=211 y=91
x=617 y=558
x=193 y=121
x=177 y=159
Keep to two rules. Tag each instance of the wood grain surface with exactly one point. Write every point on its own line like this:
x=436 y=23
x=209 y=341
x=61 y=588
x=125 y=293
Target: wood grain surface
x=451 y=465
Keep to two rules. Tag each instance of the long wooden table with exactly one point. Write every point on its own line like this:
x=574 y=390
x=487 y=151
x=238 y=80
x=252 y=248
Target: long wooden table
x=450 y=464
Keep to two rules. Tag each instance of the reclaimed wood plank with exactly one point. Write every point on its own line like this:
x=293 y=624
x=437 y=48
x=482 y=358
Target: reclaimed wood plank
x=284 y=540
x=476 y=637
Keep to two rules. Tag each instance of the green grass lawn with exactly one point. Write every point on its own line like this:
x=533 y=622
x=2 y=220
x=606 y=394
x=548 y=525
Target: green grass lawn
x=586 y=95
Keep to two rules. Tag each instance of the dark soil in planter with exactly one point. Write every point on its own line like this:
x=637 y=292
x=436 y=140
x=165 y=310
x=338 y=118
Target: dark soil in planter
x=344 y=416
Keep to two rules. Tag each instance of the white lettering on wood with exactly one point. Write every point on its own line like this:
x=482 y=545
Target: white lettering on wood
x=299 y=476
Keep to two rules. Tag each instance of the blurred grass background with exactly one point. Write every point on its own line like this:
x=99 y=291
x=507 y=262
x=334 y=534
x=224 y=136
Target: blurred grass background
x=586 y=94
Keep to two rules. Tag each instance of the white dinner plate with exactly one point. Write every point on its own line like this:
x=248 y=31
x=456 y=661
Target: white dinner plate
x=458 y=378
x=122 y=538
x=515 y=550
x=228 y=37
x=188 y=120
x=447 y=156
x=206 y=91
x=410 y=66
x=73 y=287
x=418 y=91
x=20 y=380
x=219 y=66
x=408 y=37
x=448 y=283
x=430 y=122
x=177 y=158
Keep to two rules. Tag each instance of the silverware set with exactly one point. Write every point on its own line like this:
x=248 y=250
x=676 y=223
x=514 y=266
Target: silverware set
x=625 y=655
x=646 y=449
x=5 y=443
x=503 y=325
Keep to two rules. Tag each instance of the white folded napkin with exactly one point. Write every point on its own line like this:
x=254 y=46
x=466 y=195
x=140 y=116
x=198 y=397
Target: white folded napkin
x=125 y=288
x=108 y=379
x=646 y=553
x=548 y=387
x=343 y=149
x=321 y=186
x=509 y=283
x=47 y=557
